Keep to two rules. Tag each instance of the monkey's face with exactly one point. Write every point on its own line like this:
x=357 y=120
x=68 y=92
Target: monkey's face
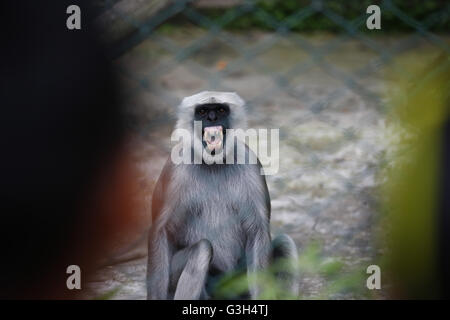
x=215 y=120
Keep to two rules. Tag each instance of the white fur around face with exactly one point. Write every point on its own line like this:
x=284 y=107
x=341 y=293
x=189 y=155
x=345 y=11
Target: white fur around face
x=186 y=110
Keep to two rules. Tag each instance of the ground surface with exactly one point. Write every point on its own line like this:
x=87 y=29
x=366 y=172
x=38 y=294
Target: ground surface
x=332 y=139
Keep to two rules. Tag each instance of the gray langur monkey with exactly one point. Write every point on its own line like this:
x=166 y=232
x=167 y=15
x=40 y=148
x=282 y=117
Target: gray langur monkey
x=212 y=219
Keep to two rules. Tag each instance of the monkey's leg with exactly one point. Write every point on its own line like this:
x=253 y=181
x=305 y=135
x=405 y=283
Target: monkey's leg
x=285 y=259
x=190 y=266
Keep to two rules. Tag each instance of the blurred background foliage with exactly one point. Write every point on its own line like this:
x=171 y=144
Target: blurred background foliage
x=368 y=113
x=306 y=15
x=340 y=279
x=413 y=192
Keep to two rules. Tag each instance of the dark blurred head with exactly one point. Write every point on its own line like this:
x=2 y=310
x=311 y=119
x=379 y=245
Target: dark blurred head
x=61 y=137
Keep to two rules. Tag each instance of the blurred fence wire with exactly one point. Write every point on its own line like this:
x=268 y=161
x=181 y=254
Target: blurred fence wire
x=324 y=90
x=160 y=13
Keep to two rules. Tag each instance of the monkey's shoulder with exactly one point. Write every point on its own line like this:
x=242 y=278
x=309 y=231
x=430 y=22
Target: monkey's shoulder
x=161 y=188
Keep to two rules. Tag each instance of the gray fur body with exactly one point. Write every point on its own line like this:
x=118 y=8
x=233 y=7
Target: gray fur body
x=229 y=208
x=207 y=221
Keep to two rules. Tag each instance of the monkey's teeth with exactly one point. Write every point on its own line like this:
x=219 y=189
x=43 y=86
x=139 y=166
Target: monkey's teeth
x=213 y=136
x=211 y=146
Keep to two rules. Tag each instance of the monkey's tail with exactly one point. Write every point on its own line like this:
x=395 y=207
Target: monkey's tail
x=285 y=259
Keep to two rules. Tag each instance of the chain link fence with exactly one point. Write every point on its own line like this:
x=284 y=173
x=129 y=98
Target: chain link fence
x=325 y=86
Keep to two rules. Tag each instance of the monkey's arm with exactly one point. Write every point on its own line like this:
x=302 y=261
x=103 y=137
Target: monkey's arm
x=259 y=243
x=159 y=249
x=258 y=248
x=158 y=266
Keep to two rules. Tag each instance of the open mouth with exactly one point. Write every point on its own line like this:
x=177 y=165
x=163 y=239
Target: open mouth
x=213 y=136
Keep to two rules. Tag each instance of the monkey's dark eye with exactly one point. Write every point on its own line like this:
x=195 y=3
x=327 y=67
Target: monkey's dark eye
x=202 y=111
x=221 y=110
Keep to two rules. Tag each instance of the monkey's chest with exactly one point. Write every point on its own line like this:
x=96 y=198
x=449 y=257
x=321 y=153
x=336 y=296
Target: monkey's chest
x=210 y=205
x=220 y=226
